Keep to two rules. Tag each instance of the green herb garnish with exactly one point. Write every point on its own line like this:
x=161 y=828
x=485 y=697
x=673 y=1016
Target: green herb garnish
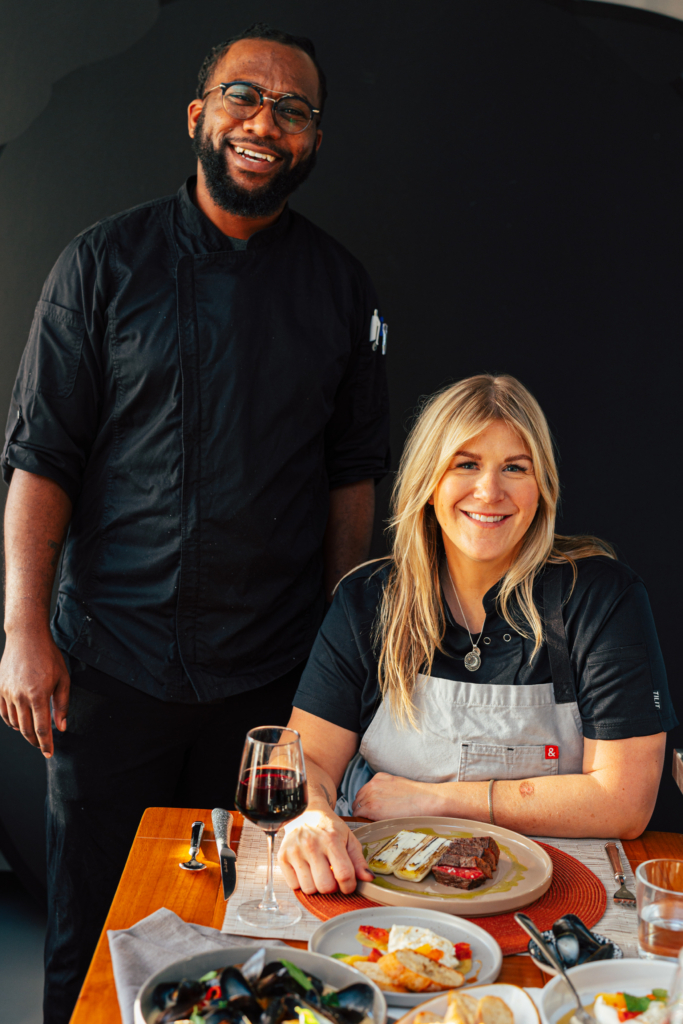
x=338 y=956
x=298 y=975
x=636 y=1004
x=209 y=976
x=661 y=994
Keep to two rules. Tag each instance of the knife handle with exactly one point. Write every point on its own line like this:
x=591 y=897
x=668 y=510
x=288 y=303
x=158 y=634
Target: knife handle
x=615 y=860
x=222 y=826
x=196 y=837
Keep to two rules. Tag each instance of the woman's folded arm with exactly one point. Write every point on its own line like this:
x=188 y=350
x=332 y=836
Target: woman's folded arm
x=615 y=795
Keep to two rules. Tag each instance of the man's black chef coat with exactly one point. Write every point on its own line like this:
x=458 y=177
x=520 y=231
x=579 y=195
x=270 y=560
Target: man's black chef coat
x=197 y=404
x=616 y=660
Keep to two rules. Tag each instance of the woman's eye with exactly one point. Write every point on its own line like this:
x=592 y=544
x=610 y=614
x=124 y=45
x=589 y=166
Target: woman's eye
x=466 y=465
x=513 y=467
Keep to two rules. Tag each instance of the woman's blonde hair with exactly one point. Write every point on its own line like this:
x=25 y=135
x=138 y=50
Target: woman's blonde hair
x=411 y=622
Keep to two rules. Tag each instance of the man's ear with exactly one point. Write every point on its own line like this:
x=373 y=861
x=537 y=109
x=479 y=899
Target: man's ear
x=193 y=112
x=318 y=139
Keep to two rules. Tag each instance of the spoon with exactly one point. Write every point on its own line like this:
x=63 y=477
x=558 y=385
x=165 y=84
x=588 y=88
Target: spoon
x=195 y=841
x=549 y=953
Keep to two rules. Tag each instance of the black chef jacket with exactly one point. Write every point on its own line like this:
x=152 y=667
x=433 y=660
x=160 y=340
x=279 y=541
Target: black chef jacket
x=616 y=660
x=197 y=404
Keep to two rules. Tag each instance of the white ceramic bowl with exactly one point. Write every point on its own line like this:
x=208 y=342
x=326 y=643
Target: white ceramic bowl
x=332 y=972
x=638 y=977
x=338 y=935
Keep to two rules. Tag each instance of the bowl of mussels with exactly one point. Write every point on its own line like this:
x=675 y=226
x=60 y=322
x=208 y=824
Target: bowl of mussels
x=259 y=985
x=574 y=944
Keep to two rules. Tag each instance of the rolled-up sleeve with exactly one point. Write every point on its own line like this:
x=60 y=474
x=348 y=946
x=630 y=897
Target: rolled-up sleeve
x=357 y=436
x=54 y=411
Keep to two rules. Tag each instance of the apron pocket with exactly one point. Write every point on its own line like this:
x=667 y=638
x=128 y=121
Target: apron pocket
x=480 y=762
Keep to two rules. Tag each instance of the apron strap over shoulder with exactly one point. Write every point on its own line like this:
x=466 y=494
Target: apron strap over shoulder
x=556 y=638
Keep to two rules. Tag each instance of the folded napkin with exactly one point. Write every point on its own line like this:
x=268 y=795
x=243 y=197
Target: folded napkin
x=156 y=942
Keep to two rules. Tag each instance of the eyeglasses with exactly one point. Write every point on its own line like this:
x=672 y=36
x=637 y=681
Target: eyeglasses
x=243 y=100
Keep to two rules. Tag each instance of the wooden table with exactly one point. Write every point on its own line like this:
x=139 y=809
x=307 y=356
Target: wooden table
x=151 y=880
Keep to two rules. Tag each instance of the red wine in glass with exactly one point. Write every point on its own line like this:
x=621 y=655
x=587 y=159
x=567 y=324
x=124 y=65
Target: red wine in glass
x=271 y=791
x=270 y=797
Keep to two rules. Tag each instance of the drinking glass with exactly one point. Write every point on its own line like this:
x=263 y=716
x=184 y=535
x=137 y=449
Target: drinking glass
x=659 y=894
x=271 y=791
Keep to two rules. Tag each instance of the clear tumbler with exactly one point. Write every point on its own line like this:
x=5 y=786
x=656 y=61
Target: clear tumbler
x=659 y=893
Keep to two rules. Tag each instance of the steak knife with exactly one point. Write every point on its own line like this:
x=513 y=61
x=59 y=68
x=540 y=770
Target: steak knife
x=222 y=827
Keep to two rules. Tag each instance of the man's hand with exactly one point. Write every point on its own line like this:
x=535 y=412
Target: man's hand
x=32 y=672
x=320 y=853
x=390 y=796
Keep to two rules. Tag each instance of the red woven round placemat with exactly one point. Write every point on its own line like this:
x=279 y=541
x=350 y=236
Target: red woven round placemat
x=574 y=889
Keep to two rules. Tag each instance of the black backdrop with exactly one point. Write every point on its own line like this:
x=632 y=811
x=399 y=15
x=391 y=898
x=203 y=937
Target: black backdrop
x=510 y=174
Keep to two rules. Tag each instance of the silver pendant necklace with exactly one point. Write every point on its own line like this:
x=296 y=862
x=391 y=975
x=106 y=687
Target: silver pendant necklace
x=473 y=658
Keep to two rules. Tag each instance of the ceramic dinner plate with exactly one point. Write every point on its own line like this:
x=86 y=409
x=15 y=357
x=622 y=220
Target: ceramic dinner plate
x=338 y=935
x=524 y=871
x=521 y=1004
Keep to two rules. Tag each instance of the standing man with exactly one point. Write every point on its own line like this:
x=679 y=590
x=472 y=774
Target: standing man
x=200 y=413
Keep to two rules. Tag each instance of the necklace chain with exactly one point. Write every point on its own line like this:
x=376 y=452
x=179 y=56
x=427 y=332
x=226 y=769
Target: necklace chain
x=475 y=646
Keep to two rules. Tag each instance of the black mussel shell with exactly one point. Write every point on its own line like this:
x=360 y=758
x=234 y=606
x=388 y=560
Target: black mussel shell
x=187 y=995
x=567 y=943
x=277 y=981
x=350 y=1005
x=164 y=995
x=240 y=997
x=603 y=952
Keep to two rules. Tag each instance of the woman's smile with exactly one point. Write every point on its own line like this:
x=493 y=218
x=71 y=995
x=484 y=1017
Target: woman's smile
x=486 y=519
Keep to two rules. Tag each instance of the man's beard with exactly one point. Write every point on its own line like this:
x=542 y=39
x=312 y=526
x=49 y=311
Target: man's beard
x=262 y=201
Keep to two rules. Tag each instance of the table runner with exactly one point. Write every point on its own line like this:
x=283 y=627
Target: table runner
x=252 y=854
x=618 y=923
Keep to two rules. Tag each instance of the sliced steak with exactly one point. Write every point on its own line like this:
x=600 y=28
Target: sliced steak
x=457 y=877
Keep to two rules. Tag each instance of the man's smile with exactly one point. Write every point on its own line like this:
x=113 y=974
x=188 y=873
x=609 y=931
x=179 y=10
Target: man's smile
x=252 y=158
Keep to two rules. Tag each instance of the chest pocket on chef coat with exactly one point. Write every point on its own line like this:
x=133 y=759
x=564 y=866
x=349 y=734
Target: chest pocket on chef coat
x=480 y=762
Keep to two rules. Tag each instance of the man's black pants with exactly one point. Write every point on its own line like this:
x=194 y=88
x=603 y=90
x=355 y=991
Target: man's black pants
x=124 y=751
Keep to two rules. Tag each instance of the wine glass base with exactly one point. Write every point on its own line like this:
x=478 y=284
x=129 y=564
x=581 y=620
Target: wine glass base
x=252 y=912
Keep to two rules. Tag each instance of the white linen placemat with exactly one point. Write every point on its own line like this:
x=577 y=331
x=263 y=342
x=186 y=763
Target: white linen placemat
x=252 y=870
x=619 y=923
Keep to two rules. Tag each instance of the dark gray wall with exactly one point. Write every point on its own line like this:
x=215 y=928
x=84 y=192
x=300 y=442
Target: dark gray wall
x=509 y=173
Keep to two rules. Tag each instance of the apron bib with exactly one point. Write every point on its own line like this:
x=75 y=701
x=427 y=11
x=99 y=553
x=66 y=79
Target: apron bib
x=473 y=732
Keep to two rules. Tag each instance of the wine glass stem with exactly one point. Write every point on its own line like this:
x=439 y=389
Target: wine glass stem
x=269 y=901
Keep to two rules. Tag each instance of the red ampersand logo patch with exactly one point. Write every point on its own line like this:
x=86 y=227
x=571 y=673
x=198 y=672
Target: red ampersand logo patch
x=551 y=753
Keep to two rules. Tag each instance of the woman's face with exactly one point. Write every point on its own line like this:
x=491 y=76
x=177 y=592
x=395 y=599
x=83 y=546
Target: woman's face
x=486 y=500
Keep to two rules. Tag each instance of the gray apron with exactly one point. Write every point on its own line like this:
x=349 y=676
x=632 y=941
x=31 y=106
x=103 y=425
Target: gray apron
x=473 y=732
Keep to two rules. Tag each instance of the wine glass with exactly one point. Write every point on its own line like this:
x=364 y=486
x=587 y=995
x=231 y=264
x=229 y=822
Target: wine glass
x=271 y=791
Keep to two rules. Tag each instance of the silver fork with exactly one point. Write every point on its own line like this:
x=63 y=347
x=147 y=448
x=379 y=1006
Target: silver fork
x=622 y=895
x=580 y=1015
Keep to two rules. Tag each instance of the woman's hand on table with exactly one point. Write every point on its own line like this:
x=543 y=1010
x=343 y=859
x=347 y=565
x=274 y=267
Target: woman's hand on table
x=320 y=853
x=390 y=796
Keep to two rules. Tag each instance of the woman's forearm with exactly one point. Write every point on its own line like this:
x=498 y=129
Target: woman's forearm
x=322 y=792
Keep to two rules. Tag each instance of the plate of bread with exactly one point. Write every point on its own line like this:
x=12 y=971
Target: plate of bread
x=452 y=865
x=485 y=1004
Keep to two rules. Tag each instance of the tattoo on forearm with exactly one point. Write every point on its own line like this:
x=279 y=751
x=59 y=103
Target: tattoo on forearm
x=329 y=799
x=526 y=788
x=57 y=548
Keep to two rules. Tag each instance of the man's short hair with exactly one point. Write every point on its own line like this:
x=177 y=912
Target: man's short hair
x=260 y=30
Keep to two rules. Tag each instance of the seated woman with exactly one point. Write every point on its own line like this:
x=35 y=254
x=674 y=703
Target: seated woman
x=490 y=669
